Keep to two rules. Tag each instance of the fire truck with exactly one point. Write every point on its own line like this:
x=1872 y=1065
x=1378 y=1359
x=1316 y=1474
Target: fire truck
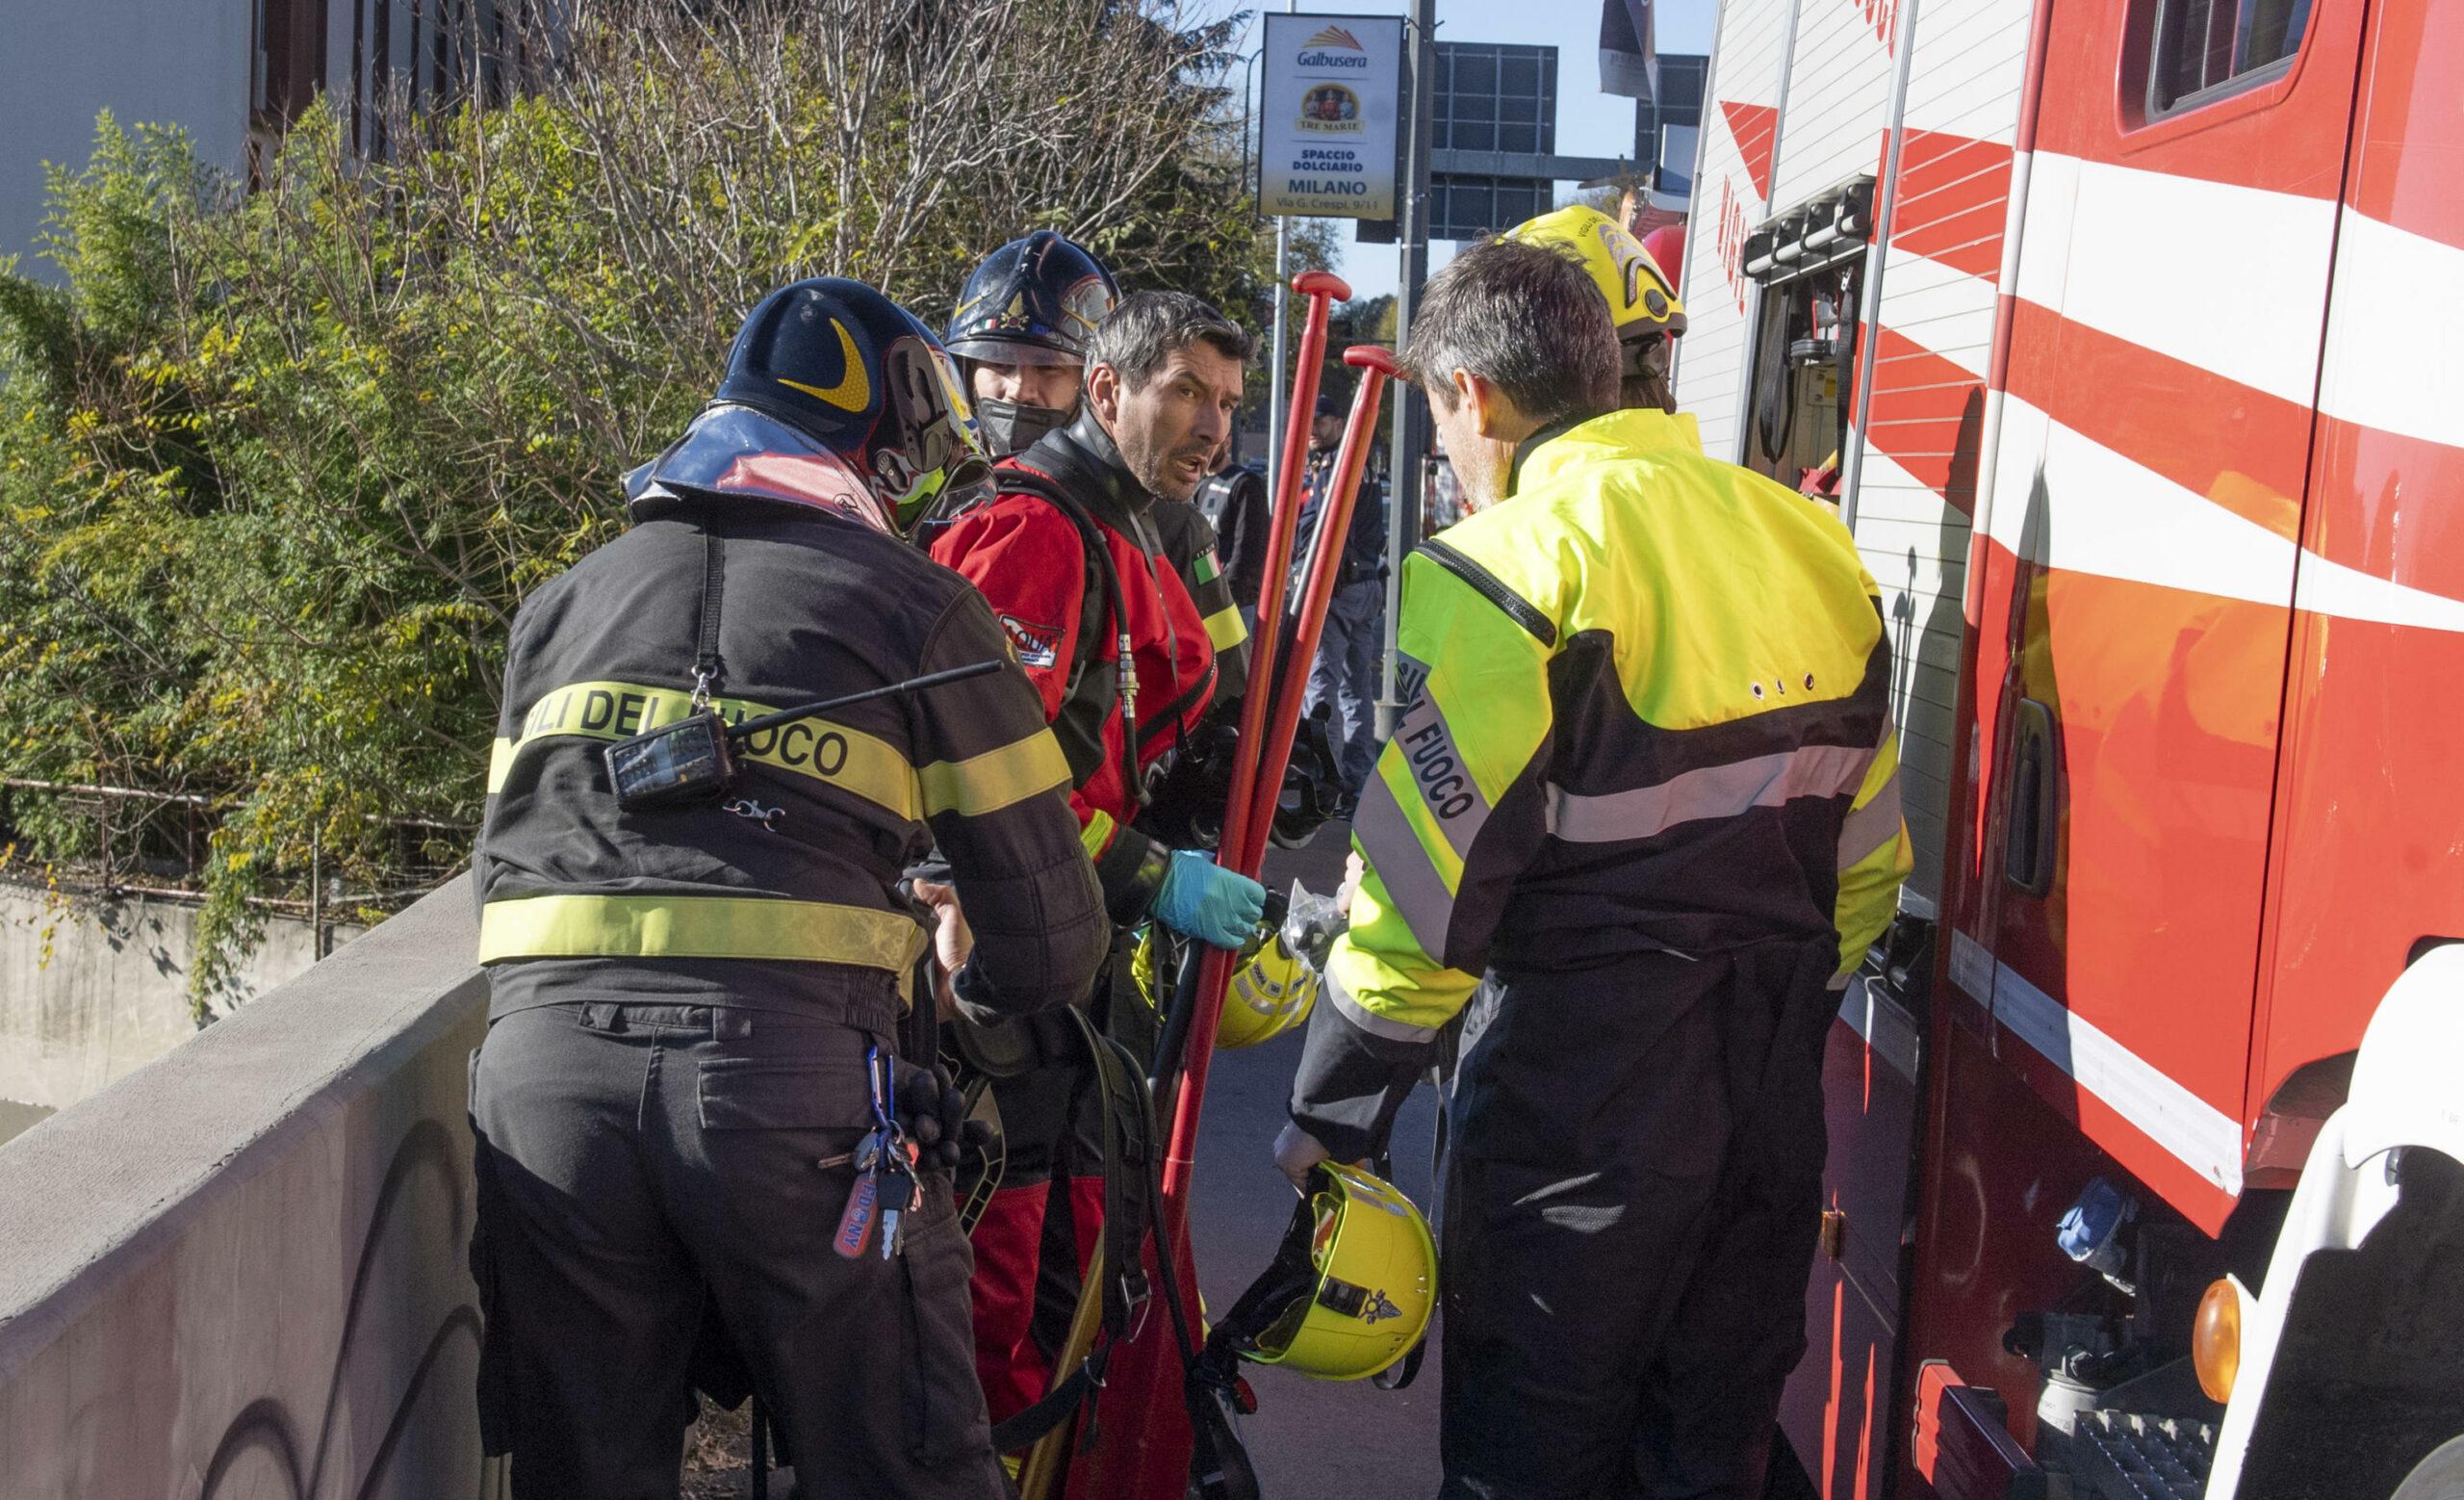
x=2125 y=327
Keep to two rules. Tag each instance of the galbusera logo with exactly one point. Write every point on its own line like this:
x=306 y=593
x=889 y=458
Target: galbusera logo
x=1334 y=47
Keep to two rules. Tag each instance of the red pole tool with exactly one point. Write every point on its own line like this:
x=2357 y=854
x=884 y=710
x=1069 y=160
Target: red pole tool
x=1143 y=1444
x=1245 y=838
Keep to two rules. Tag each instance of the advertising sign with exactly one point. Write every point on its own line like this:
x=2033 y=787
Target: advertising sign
x=1327 y=115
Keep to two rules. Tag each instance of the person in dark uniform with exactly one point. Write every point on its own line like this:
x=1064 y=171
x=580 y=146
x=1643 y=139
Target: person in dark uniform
x=694 y=1008
x=1343 y=681
x=1020 y=334
x=1234 y=502
x=1127 y=661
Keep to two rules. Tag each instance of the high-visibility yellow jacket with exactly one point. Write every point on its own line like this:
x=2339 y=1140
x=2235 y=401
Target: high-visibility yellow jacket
x=1647 y=711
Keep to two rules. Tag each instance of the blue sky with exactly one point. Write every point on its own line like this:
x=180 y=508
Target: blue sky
x=1589 y=122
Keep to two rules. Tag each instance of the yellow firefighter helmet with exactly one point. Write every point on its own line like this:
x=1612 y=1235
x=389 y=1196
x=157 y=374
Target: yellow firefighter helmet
x=1352 y=1289
x=1271 y=993
x=1642 y=301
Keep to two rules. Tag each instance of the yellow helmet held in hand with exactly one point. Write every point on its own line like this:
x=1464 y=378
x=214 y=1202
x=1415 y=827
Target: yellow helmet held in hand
x=1271 y=993
x=1642 y=302
x=1351 y=1290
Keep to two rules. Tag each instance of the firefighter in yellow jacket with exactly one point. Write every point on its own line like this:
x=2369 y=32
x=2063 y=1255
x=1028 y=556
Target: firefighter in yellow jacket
x=1637 y=825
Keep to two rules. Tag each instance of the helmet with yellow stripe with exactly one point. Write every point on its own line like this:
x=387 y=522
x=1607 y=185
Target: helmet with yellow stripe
x=876 y=424
x=1642 y=300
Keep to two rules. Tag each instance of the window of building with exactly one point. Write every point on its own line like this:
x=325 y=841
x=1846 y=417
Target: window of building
x=287 y=66
x=2204 y=49
x=1495 y=97
x=1474 y=208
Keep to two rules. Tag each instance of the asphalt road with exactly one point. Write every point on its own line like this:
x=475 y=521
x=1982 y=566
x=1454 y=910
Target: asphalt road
x=1310 y=1438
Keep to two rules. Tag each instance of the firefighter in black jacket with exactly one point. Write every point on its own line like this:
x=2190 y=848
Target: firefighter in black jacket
x=688 y=1068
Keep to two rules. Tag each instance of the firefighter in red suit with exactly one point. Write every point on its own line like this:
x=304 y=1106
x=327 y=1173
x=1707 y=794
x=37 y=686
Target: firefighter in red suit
x=1109 y=624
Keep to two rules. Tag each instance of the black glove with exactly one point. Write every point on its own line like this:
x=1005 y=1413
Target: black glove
x=1313 y=784
x=1186 y=810
x=934 y=1114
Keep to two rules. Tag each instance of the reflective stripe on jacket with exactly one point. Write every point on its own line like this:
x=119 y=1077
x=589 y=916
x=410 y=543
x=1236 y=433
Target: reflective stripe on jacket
x=1647 y=711
x=580 y=898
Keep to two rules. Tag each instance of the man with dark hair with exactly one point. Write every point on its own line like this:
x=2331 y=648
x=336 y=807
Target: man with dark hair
x=1636 y=827
x=1100 y=612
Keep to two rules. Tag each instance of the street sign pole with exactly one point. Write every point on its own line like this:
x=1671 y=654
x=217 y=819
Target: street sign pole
x=1404 y=481
x=1282 y=294
x=1282 y=311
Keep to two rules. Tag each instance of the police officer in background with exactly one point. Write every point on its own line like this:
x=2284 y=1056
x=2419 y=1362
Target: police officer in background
x=1234 y=502
x=1637 y=826
x=693 y=1006
x=1343 y=681
x=1020 y=334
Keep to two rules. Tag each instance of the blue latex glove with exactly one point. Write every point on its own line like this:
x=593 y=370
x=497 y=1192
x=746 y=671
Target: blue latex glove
x=1201 y=900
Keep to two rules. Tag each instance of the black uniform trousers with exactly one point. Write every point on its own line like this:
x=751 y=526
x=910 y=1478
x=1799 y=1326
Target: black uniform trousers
x=640 y=1164
x=1629 y=1216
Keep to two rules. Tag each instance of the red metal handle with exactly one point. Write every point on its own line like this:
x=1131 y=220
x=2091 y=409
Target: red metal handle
x=1322 y=283
x=1377 y=357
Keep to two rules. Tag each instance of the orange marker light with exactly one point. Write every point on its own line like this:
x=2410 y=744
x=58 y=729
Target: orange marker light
x=2215 y=1340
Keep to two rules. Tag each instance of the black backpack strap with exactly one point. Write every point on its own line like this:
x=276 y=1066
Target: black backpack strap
x=1102 y=581
x=705 y=654
x=1025 y=1429
x=1100 y=576
x=1130 y=1162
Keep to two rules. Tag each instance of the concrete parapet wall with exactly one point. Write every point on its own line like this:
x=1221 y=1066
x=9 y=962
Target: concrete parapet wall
x=239 y=1271
x=91 y=993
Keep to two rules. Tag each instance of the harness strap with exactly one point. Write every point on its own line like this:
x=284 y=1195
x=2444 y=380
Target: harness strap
x=1130 y=1163
x=1057 y=1404
x=1020 y=480
x=706 y=655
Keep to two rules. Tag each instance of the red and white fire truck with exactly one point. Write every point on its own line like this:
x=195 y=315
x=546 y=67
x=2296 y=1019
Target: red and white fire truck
x=2127 y=325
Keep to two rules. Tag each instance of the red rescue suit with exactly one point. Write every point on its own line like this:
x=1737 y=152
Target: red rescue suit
x=1074 y=563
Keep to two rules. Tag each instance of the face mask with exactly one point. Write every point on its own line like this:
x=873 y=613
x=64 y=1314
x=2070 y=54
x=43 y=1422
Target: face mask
x=1014 y=427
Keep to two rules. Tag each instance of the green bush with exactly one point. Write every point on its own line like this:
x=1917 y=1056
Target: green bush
x=276 y=467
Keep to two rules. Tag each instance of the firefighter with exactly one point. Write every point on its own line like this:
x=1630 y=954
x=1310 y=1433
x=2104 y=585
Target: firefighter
x=1641 y=296
x=693 y=1007
x=1070 y=557
x=1020 y=336
x=1636 y=827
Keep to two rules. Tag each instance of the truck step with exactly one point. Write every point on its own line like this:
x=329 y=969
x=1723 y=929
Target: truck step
x=2128 y=1456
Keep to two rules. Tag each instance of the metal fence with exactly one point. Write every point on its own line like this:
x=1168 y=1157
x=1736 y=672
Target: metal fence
x=154 y=843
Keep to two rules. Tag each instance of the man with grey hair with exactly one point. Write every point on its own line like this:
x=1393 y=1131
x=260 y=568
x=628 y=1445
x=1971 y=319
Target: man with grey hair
x=1121 y=635
x=1636 y=827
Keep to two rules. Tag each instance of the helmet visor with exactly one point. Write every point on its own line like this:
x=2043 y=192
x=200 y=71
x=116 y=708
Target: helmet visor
x=732 y=449
x=994 y=348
